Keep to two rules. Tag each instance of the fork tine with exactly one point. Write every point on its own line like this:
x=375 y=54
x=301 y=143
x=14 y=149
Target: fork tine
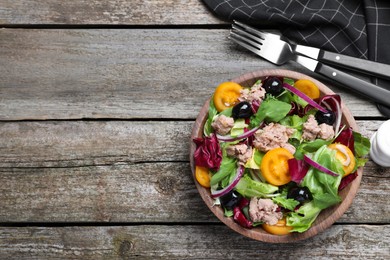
x=242 y=41
x=250 y=29
x=270 y=48
x=245 y=42
x=247 y=34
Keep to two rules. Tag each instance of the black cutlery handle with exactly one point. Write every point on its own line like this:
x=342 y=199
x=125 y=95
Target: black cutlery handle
x=365 y=88
x=366 y=66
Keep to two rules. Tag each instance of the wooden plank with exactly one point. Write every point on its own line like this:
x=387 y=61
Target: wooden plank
x=149 y=12
x=71 y=171
x=187 y=242
x=123 y=74
x=135 y=192
x=84 y=143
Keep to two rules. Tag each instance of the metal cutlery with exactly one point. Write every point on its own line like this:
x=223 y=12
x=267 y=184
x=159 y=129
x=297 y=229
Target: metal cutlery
x=273 y=49
x=361 y=65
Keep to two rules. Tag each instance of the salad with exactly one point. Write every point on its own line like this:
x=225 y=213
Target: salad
x=276 y=154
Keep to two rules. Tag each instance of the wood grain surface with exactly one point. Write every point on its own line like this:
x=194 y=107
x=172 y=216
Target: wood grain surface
x=97 y=104
x=120 y=171
x=189 y=242
x=114 y=12
x=122 y=73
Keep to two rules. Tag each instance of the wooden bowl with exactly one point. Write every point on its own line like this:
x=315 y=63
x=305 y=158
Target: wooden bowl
x=326 y=218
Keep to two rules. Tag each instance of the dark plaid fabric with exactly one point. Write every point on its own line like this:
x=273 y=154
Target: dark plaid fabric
x=352 y=27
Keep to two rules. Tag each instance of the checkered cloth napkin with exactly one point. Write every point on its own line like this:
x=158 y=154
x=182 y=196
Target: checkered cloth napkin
x=351 y=27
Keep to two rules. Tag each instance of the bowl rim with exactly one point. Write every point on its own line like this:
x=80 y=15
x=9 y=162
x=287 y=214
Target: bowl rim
x=327 y=216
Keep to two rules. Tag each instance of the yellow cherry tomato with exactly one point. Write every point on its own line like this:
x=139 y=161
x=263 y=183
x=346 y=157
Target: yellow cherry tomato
x=202 y=175
x=345 y=156
x=226 y=95
x=308 y=88
x=279 y=229
x=274 y=166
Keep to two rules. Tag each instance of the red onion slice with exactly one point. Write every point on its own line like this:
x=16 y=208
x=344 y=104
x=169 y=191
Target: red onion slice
x=339 y=113
x=227 y=189
x=242 y=136
x=304 y=97
x=319 y=166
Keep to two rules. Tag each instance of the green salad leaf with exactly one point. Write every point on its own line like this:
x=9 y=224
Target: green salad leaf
x=228 y=167
x=323 y=185
x=302 y=218
x=362 y=145
x=207 y=130
x=238 y=127
x=270 y=110
x=283 y=201
x=255 y=161
x=251 y=188
x=296 y=122
x=310 y=147
x=324 y=189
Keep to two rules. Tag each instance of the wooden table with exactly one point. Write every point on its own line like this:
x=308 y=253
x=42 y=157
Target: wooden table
x=98 y=99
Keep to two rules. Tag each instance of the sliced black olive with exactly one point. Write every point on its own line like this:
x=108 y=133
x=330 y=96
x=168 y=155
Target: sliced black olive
x=230 y=200
x=273 y=85
x=300 y=194
x=242 y=110
x=325 y=117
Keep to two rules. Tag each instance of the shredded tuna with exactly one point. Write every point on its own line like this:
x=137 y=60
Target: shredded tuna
x=273 y=136
x=289 y=147
x=256 y=92
x=264 y=210
x=326 y=132
x=223 y=124
x=311 y=130
x=240 y=151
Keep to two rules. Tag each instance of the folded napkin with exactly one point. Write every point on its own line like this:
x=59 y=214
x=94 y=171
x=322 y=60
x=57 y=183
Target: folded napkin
x=356 y=28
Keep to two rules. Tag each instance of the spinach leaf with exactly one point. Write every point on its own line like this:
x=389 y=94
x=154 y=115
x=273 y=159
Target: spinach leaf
x=270 y=109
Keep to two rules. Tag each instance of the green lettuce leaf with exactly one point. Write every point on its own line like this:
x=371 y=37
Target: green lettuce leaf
x=296 y=122
x=207 y=130
x=310 y=147
x=302 y=219
x=270 y=110
x=255 y=161
x=362 y=145
x=228 y=167
x=289 y=204
x=324 y=189
x=251 y=188
x=238 y=127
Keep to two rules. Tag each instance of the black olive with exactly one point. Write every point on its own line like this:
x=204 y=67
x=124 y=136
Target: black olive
x=325 y=117
x=230 y=200
x=273 y=85
x=242 y=110
x=300 y=194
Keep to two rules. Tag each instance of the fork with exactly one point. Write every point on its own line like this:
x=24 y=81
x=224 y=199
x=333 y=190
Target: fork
x=279 y=52
x=361 y=65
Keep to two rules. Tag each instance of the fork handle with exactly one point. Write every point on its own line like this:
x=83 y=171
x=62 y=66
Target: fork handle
x=366 y=66
x=365 y=88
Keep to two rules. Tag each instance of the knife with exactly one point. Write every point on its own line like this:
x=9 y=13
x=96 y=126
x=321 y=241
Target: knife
x=361 y=65
x=362 y=87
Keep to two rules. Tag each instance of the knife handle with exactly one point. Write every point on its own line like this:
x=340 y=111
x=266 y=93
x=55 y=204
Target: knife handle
x=366 y=66
x=365 y=88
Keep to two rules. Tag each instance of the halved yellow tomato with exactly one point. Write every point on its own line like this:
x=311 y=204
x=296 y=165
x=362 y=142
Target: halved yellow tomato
x=308 y=88
x=202 y=175
x=274 y=166
x=345 y=156
x=226 y=95
x=279 y=229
